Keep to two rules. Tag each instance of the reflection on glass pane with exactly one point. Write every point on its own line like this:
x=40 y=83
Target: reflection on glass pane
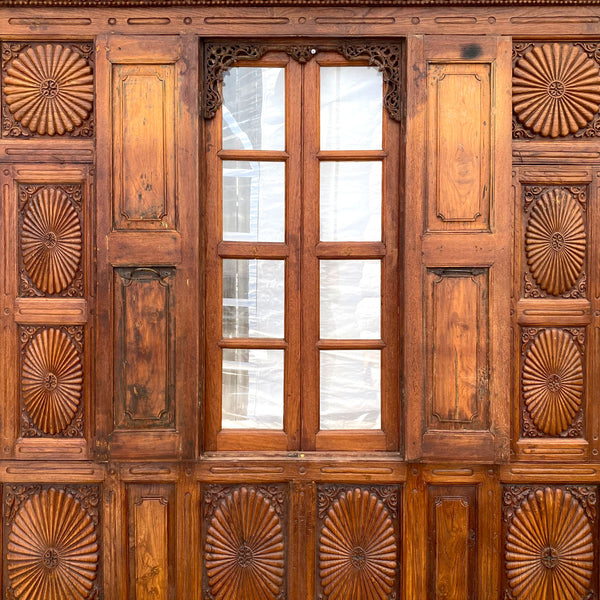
x=350 y=201
x=350 y=389
x=252 y=389
x=254 y=201
x=351 y=108
x=253 y=298
x=254 y=108
x=350 y=299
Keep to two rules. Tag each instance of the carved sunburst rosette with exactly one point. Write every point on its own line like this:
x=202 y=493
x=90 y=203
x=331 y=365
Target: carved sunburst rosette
x=357 y=548
x=555 y=241
x=552 y=381
x=245 y=548
x=48 y=90
x=52 y=549
x=51 y=241
x=51 y=380
x=556 y=89
x=549 y=551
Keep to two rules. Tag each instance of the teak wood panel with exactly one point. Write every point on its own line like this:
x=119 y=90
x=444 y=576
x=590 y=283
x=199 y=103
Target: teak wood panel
x=454 y=530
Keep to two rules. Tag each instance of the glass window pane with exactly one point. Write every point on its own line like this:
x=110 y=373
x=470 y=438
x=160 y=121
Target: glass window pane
x=350 y=299
x=252 y=388
x=350 y=389
x=254 y=108
x=253 y=298
x=350 y=201
x=351 y=108
x=254 y=201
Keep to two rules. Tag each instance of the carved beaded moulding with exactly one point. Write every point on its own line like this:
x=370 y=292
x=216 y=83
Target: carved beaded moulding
x=47 y=89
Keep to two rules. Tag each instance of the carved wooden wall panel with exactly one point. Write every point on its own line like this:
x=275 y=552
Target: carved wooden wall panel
x=151 y=512
x=452 y=517
x=245 y=542
x=52 y=541
x=452 y=308
x=357 y=541
x=144 y=357
x=148 y=245
x=457 y=342
x=549 y=542
x=47 y=89
x=460 y=163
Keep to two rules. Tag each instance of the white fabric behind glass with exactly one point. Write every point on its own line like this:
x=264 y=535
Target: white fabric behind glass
x=350 y=201
x=351 y=108
x=350 y=299
x=350 y=389
x=253 y=201
x=252 y=389
x=254 y=108
x=253 y=298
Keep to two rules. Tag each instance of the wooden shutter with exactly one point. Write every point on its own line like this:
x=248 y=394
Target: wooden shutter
x=148 y=309
x=458 y=252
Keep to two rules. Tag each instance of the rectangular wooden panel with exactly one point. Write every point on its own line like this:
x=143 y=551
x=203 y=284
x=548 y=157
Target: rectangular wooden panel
x=144 y=363
x=151 y=541
x=458 y=153
x=457 y=348
x=144 y=146
x=452 y=522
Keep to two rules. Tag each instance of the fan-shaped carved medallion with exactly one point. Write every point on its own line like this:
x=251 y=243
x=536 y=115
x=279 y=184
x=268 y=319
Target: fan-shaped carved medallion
x=556 y=89
x=549 y=548
x=51 y=241
x=49 y=89
x=555 y=241
x=357 y=548
x=52 y=548
x=553 y=381
x=52 y=380
x=245 y=549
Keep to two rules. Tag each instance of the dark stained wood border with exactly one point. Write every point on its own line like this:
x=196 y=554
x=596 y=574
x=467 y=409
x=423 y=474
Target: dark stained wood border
x=336 y=3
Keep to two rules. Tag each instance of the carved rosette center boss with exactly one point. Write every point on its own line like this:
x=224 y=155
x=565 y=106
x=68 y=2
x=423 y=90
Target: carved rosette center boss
x=48 y=90
x=556 y=89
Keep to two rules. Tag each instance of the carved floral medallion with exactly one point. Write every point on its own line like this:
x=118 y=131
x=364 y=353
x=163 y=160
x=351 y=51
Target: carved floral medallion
x=52 y=380
x=245 y=548
x=555 y=241
x=52 y=550
x=549 y=550
x=49 y=89
x=357 y=548
x=51 y=241
x=556 y=89
x=553 y=381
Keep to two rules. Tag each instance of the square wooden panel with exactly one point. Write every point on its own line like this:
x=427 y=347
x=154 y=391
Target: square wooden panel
x=245 y=541
x=550 y=541
x=47 y=89
x=52 y=541
x=358 y=541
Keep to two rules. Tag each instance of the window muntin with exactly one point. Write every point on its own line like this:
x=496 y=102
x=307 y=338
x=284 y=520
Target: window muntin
x=334 y=374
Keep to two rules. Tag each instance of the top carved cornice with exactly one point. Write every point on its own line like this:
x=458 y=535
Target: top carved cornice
x=275 y=3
